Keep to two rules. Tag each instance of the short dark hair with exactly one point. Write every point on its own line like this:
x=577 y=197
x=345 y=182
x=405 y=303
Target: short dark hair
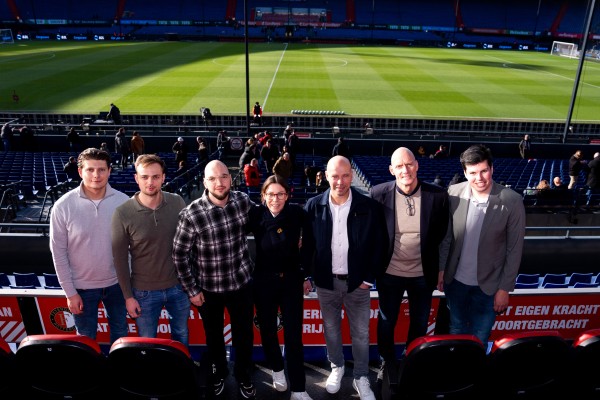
x=93 y=154
x=147 y=159
x=476 y=154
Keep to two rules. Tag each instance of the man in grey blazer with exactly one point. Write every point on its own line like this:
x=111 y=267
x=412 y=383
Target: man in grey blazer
x=416 y=216
x=481 y=253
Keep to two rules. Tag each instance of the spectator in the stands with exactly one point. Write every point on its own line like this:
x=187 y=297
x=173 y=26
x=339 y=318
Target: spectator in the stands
x=104 y=147
x=457 y=178
x=247 y=155
x=137 y=145
x=593 y=180
x=114 y=114
x=558 y=183
x=70 y=168
x=438 y=181
x=283 y=166
x=442 y=152
x=321 y=183
x=341 y=148
x=122 y=147
x=180 y=150
x=525 y=148
x=269 y=155
x=252 y=173
x=202 y=150
x=73 y=139
x=7 y=136
x=576 y=165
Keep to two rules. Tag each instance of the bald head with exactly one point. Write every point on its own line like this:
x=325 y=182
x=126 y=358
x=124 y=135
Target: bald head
x=215 y=165
x=402 y=153
x=404 y=166
x=339 y=176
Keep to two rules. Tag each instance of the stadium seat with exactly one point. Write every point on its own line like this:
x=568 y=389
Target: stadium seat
x=578 y=277
x=51 y=281
x=530 y=365
x=465 y=360
x=63 y=366
x=585 y=372
x=528 y=278
x=4 y=281
x=165 y=365
x=26 y=279
x=554 y=278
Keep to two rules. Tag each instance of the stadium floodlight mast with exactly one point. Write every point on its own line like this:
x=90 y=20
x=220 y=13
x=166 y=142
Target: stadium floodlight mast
x=586 y=32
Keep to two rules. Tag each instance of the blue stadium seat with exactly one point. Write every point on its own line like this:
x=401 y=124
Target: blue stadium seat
x=528 y=278
x=554 y=278
x=26 y=279
x=577 y=277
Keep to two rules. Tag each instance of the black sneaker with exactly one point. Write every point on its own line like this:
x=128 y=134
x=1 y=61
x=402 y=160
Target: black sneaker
x=248 y=390
x=218 y=386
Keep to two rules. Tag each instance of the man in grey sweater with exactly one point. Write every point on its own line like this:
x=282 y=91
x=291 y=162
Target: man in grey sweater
x=144 y=227
x=80 y=242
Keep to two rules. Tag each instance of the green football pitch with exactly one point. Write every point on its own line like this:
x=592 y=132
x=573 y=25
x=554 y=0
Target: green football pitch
x=378 y=81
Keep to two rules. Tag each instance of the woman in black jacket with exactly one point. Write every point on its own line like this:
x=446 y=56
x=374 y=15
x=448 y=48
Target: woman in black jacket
x=280 y=282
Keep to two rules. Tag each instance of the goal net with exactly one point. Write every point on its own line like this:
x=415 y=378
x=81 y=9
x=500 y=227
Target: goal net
x=565 y=49
x=6 y=36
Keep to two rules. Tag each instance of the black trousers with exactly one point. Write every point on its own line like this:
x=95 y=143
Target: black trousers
x=271 y=294
x=239 y=306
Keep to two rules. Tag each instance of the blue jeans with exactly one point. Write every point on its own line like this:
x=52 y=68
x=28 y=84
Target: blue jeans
x=391 y=292
x=357 y=305
x=116 y=312
x=177 y=304
x=471 y=310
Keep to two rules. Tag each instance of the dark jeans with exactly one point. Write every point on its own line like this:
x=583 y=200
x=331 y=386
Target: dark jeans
x=271 y=293
x=240 y=308
x=471 y=310
x=391 y=292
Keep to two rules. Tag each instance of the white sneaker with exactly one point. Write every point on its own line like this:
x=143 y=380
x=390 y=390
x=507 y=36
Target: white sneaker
x=335 y=380
x=300 y=396
x=363 y=387
x=279 y=382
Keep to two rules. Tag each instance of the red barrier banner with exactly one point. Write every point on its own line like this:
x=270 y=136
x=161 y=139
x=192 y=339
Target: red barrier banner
x=12 y=327
x=570 y=314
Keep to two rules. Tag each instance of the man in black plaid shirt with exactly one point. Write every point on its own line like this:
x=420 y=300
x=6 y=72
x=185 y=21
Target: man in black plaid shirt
x=210 y=252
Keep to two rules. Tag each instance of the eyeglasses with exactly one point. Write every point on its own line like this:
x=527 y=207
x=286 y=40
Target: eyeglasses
x=280 y=196
x=410 y=204
x=213 y=179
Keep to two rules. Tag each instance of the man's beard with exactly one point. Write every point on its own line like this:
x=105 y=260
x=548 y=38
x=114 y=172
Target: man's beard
x=220 y=196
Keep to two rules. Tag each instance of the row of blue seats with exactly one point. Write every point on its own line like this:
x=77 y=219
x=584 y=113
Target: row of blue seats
x=558 y=280
x=29 y=280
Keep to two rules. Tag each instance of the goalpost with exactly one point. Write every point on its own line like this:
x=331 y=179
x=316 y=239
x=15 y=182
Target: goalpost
x=6 y=36
x=565 y=49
